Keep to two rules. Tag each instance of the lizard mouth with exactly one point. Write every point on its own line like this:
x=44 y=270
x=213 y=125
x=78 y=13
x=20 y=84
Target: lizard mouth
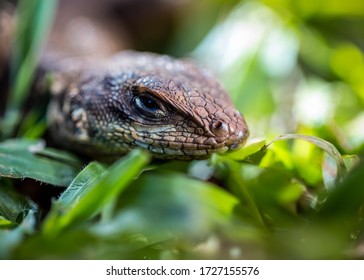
x=222 y=137
x=239 y=140
x=203 y=151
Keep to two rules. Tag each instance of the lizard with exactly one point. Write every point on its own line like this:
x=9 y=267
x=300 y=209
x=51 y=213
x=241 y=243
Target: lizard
x=171 y=107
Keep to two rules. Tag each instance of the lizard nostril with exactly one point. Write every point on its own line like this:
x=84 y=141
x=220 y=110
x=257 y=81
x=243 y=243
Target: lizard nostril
x=219 y=128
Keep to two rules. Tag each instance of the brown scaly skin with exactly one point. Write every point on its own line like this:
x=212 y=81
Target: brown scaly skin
x=140 y=100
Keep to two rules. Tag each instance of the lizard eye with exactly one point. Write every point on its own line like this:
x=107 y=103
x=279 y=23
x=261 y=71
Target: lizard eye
x=148 y=106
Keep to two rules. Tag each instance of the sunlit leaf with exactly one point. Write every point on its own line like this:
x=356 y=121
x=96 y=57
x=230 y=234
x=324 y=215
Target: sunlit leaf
x=4 y=223
x=326 y=146
x=254 y=146
x=312 y=8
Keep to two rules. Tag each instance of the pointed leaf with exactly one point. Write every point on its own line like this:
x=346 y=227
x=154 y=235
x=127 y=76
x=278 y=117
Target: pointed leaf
x=13 y=206
x=100 y=192
x=326 y=146
x=81 y=184
x=253 y=147
x=18 y=160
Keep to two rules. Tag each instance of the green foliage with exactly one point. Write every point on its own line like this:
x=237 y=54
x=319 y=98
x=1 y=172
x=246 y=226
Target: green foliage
x=94 y=193
x=297 y=73
x=18 y=159
x=36 y=17
x=13 y=206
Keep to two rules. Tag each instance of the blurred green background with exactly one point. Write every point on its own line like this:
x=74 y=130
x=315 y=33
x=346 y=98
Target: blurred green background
x=290 y=67
x=293 y=66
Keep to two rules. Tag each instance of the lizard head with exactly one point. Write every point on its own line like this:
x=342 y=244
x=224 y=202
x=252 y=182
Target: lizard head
x=170 y=107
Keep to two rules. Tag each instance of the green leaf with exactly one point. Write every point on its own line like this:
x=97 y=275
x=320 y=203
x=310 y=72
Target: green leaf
x=332 y=232
x=100 y=192
x=326 y=146
x=351 y=161
x=231 y=176
x=80 y=185
x=61 y=156
x=33 y=25
x=350 y=190
x=18 y=160
x=13 y=206
x=5 y=224
x=162 y=205
x=254 y=146
x=10 y=239
x=34 y=124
